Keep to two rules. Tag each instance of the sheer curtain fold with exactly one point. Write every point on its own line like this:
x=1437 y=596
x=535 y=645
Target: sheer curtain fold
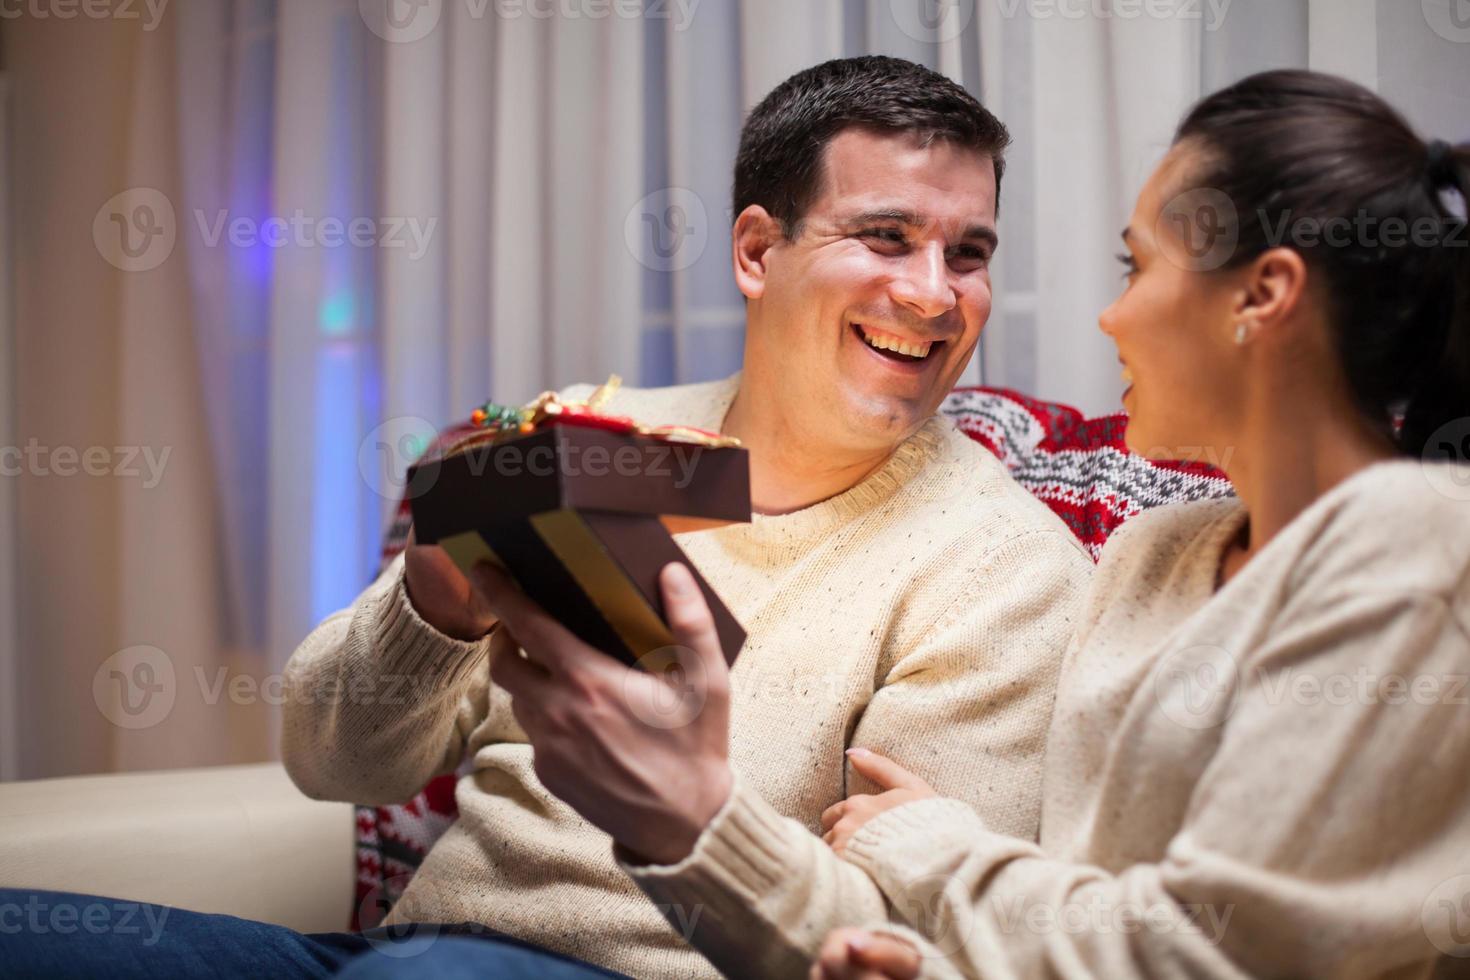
x=1108 y=94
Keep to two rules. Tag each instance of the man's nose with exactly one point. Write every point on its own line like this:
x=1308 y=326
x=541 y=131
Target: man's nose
x=923 y=286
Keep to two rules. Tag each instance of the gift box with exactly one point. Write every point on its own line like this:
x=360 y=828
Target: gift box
x=579 y=508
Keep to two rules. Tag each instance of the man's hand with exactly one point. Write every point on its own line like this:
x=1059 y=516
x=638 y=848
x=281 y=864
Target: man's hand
x=442 y=595
x=842 y=820
x=640 y=755
x=856 y=954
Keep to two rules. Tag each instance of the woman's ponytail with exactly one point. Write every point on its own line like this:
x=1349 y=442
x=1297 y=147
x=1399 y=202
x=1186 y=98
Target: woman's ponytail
x=1443 y=396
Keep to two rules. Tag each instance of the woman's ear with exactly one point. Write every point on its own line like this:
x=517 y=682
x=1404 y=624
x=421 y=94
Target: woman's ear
x=1273 y=290
x=754 y=233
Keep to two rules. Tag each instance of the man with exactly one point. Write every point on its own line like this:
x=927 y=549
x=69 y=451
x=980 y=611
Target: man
x=900 y=592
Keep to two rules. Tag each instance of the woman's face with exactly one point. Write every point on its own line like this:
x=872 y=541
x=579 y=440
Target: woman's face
x=1174 y=329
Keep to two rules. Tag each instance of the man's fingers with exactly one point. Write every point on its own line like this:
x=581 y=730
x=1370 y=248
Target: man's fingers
x=518 y=676
x=689 y=616
x=885 y=772
x=888 y=955
x=551 y=644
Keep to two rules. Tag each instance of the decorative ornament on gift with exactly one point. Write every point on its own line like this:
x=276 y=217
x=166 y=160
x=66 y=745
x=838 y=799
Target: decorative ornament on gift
x=548 y=408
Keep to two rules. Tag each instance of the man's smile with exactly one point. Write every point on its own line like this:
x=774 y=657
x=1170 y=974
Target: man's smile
x=894 y=348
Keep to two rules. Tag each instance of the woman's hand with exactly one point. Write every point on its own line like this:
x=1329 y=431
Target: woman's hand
x=842 y=820
x=856 y=954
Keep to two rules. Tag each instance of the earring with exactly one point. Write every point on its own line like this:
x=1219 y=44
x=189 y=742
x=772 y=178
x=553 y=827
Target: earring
x=1242 y=333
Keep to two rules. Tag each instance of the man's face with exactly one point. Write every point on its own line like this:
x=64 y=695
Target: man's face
x=866 y=321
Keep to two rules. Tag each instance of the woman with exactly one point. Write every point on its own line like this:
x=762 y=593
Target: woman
x=1259 y=763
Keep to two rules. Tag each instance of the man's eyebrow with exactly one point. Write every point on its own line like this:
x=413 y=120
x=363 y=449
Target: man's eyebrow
x=983 y=232
x=1127 y=236
x=884 y=214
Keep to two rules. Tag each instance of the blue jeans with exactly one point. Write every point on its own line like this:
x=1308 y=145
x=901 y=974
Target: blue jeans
x=59 y=935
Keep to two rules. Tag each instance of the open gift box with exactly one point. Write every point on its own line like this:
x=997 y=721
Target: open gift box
x=580 y=509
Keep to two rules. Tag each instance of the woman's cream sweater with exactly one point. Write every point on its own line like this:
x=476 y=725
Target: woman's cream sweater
x=1268 y=780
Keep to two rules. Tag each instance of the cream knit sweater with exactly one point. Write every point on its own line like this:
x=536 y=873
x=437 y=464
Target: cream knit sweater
x=1272 y=780
x=924 y=614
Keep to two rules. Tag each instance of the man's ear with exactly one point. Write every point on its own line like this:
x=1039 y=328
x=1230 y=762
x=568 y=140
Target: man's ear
x=754 y=233
x=1274 y=287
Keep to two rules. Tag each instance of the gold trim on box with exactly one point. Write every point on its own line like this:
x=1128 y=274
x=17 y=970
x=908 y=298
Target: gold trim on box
x=636 y=622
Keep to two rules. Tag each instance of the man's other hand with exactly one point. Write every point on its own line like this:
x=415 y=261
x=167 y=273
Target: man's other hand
x=444 y=598
x=642 y=755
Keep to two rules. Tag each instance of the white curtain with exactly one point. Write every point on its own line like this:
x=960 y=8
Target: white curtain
x=388 y=211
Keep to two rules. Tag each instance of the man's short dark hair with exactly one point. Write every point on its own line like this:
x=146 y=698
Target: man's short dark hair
x=779 y=165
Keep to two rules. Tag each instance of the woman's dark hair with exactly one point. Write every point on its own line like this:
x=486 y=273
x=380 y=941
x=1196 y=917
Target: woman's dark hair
x=779 y=166
x=1290 y=148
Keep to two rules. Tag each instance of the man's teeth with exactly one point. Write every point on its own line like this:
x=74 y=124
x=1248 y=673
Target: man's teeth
x=1127 y=375
x=888 y=342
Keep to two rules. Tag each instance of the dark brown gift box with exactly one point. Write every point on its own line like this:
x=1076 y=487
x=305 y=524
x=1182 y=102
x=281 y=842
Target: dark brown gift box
x=581 y=518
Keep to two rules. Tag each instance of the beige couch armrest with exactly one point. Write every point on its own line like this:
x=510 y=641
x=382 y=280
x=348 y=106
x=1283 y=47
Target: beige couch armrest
x=235 y=839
